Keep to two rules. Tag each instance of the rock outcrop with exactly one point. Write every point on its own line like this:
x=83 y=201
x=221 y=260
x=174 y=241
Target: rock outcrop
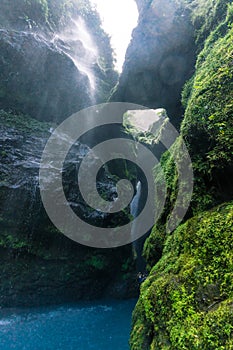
x=186 y=302
x=160 y=58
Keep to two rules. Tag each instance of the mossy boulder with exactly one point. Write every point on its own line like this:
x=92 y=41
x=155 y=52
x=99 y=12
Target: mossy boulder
x=145 y=125
x=187 y=300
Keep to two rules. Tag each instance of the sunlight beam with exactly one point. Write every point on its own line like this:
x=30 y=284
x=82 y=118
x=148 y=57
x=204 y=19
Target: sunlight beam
x=119 y=18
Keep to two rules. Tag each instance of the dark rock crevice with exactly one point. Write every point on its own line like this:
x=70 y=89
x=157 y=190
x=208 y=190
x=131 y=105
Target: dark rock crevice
x=159 y=59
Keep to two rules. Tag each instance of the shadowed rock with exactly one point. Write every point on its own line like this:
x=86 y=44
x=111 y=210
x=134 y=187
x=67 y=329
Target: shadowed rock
x=159 y=59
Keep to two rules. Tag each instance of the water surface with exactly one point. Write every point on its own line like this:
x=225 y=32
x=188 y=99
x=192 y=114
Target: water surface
x=97 y=326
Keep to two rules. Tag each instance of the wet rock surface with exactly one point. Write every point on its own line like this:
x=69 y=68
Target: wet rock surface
x=40 y=265
x=55 y=58
x=39 y=79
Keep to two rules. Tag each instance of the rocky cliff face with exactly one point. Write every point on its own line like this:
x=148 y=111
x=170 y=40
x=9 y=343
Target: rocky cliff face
x=160 y=58
x=54 y=62
x=38 y=264
x=186 y=301
x=39 y=79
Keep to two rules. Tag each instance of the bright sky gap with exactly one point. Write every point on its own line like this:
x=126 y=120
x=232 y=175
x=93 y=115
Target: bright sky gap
x=119 y=18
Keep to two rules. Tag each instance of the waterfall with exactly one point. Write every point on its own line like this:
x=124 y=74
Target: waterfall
x=77 y=42
x=135 y=208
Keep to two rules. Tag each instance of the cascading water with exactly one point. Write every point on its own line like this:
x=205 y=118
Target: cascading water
x=78 y=44
x=135 y=208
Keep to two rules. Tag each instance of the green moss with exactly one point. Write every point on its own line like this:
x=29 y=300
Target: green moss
x=20 y=243
x=172 y=162
x=98 y=262
x=208 y=125
x=23 y=123
x=186 y=302
x=206 y=15
x=167 y=170
x=207 y=128
x=12 y=242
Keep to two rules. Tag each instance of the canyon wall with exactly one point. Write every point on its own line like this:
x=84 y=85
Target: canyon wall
x=186 y=301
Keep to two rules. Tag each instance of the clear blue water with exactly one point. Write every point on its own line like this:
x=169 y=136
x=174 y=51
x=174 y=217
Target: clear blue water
x=86 y=326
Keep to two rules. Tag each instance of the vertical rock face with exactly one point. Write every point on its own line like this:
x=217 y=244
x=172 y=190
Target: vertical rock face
x=141 y=4
x=186 y=301
x=159 y=59
x=39 y=265
x=39 y=79
x=54 y=60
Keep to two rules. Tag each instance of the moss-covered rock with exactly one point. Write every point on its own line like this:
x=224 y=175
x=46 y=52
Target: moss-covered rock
x=186 y=302
x=208 y=124
x=207 y=129
x=206 y=15
x=145 y=125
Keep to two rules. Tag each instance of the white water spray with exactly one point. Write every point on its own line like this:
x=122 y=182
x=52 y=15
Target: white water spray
x=134 y=207
x=77 y=42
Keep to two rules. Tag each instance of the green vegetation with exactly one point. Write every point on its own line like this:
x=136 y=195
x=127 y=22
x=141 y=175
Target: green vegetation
x=9 y=241
x=49 y=17
x=206 y=15
x=38 y=14
x=186 y=302
x=23 y=123
x=208 y=125
x=207 y=129
x=97 y=262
